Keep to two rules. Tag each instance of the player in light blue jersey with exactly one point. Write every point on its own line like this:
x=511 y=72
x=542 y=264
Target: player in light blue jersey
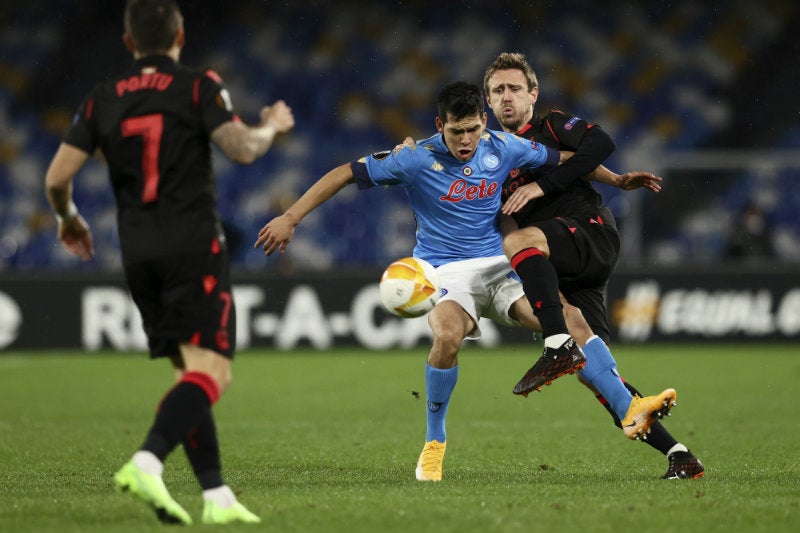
x=455 y=193
x=453 y=180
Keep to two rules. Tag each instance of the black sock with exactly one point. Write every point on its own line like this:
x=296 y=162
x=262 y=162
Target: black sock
x=540 y=283
x=181 y=409
x=202 y=449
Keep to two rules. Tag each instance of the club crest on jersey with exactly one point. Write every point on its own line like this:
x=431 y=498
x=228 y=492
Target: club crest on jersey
x=571 y=122
x=467 y=171
x=491 y=161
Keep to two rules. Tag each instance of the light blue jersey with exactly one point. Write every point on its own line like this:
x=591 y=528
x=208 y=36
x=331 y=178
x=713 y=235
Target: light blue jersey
x=456 y=204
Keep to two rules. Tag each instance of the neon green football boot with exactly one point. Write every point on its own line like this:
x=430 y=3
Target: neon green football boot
x=213 y=513
x=151 y=490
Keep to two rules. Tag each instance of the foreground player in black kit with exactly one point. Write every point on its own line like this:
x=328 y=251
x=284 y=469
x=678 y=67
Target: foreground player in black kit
x=568 y=240
x=153 y=124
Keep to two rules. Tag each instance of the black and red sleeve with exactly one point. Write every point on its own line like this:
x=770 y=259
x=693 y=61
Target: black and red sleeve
x=82 y=133
x=590 y=143
x=211 y=96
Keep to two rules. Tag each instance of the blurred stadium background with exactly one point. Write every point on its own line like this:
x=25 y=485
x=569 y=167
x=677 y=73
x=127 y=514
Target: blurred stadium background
x=664 y=78
x=702 y=93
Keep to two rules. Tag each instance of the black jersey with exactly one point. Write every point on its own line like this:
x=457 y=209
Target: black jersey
x=153 y=124
x=567 y=191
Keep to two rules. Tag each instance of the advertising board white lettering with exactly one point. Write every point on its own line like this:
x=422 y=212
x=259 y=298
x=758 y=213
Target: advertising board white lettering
x=109 y=314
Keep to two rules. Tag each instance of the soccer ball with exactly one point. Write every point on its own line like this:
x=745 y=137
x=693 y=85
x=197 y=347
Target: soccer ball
x=410 y=287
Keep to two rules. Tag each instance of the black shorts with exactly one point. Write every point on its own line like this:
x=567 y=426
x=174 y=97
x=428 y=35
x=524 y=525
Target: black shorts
x=584 y=255
x=185 y=299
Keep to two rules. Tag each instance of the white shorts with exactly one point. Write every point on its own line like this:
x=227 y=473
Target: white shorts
x=483 y=287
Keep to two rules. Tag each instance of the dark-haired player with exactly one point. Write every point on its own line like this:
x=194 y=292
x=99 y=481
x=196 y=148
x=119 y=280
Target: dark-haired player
x=453 y=181
x=153 y=124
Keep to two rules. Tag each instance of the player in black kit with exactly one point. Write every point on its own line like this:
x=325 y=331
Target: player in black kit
x=153 y=124
x=568 y=239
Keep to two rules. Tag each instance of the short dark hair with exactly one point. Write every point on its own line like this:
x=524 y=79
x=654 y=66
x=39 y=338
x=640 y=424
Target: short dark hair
x=152 y=24
x=460 y=99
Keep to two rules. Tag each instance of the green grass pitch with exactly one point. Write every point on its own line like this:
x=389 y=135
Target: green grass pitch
x=327 y=442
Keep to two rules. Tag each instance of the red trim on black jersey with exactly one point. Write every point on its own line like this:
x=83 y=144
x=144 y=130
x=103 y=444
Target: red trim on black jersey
x=214 y=76
x=552 y=132
x=524 y=128
x=196 y=92
x=89 y=108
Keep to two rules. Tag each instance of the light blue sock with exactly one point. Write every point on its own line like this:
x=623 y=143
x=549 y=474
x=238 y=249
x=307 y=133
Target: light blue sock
x=439 y=385
x=601 y=371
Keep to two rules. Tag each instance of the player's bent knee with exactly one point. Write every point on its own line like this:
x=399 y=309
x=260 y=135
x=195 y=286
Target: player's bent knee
x=448 y=337
x=531 y=237
x=512 y=243
x=448 y=340
x=225 y=380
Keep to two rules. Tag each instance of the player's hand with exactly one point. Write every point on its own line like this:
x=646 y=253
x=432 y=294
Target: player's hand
x=407 y=142
x=279 y=115
x=76 y=238
x=276 y=234
x=639 y=179
x=520 y=197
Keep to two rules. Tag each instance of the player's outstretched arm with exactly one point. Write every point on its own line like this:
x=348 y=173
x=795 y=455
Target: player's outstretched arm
x=244 y=144
x=628 y=181
x=639 y=179
x=278 y=232
x=73 y=231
